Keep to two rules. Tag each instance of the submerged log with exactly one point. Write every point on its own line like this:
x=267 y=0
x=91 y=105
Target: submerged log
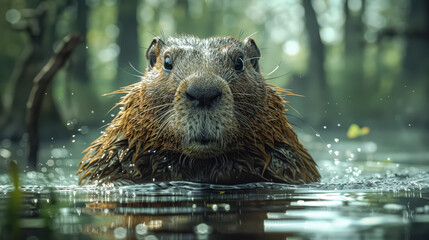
x=40 y=84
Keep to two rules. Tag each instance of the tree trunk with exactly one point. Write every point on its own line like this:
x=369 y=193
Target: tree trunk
x=413 y=87
x=127 y=42
x=353 y=85
x=80 y=57
x=184 y=23
x=40 y=85
x=39 y=26
x=317 y=91
x=29 y=63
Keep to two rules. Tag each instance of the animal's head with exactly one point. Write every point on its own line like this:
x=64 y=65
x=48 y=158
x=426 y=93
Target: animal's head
x=208 y=91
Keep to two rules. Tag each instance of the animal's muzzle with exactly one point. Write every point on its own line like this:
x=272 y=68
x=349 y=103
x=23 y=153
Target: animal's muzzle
x=203 y=95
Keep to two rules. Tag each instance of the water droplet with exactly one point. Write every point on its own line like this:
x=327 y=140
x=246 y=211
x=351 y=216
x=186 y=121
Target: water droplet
x=359 y=149
x=50 y=163
x=120 y=233
x=227 y=207
x=393 y=206
x=336 y=140
x=5 y=153
x=215 y=207
x=112 y=115
x=141 y=229
x=150 y=237
x=339 y=124
x=328 y=145
x=336 y=153
x=92 y=112
x=202 y=229
x=317 y=135
x=325 y=127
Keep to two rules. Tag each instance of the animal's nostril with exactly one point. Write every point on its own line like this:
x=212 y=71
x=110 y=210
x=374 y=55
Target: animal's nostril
x=203 y=97
x=190 y=97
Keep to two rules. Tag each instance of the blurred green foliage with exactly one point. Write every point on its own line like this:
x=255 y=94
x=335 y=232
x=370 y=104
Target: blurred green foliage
x=14 y=205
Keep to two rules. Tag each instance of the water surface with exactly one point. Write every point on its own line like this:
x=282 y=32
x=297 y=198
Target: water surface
x=371 y=189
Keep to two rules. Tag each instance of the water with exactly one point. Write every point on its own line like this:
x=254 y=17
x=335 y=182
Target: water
x=372 y=188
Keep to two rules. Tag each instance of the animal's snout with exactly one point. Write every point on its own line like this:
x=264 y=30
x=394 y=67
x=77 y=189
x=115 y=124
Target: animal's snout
x=203 y=96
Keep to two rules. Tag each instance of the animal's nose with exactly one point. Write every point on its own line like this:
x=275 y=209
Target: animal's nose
x=203 y=97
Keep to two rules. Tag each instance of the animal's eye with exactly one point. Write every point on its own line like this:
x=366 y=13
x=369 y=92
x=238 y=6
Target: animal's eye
x=168 y=64
x=239 y=64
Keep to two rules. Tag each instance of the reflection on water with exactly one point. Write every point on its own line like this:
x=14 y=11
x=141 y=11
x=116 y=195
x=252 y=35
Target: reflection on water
x=368 y=191
x=184 y=210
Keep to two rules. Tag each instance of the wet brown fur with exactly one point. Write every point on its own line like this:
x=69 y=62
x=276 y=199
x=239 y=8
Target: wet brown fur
x=144 y=142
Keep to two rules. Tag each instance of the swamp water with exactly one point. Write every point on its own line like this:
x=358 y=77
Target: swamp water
x=373 y=188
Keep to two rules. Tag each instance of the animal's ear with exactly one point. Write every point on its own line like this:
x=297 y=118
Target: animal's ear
x=254 y=53
x=153 y=51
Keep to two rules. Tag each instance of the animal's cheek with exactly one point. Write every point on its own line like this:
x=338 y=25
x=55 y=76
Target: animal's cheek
x=180 y=116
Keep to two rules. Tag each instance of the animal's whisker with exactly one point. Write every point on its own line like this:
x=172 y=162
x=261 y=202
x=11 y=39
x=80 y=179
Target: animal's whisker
x=153 y=108
x=135 y=69
x=243 y=94
x=275 y=69
x=251 y=58
x=276 y=77
x=244 y=120
x=166 y=116
x=251 y=104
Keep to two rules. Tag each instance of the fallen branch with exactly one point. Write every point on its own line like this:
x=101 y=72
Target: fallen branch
x=40 y=84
